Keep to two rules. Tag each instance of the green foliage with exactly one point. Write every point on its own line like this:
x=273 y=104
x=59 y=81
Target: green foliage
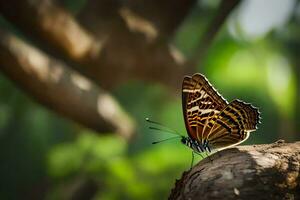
x=122 y=175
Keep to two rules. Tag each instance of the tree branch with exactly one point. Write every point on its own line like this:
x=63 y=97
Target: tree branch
x=126 y=31
x=124 y=45
x=137 y=43
x=246 y=172
x=116 y=48
x=44 y=22
x=61 y=89
x=166 y=15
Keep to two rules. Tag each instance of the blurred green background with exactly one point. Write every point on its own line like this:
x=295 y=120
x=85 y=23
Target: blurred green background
x=255 y=57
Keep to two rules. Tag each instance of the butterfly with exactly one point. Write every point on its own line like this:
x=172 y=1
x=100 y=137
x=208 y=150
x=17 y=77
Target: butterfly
x=211 y=122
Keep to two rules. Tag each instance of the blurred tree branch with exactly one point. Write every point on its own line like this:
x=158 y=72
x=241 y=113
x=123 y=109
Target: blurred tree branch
x=52 y=26
x=117 y=42
x=165 y=15
x=134 y=41
x=109 y=42
x=134 y=32
x=61 y=89
x=247 y=172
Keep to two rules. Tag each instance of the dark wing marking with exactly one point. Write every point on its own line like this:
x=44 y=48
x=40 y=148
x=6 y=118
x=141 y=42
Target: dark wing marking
x=233 y=125
x=200 y=103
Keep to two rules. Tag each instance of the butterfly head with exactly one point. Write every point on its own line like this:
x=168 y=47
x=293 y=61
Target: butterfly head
x=188 y=142
x=184 y=140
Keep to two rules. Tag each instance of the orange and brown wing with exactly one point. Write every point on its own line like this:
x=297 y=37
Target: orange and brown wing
x=233 y=125
x=200 y=103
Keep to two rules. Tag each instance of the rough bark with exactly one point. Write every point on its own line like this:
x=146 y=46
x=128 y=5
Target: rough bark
x=61 y=89
x=257 y=172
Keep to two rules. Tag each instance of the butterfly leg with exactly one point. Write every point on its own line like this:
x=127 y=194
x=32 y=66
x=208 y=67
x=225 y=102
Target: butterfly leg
x=199 y=154
x=208 y=156
x=193 y=156
x=219 y=153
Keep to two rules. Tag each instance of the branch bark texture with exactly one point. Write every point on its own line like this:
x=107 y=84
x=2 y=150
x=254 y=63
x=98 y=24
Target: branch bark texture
x=246 y=172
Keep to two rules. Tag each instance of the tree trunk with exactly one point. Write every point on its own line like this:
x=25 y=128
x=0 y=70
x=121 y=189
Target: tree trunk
x=268 y=171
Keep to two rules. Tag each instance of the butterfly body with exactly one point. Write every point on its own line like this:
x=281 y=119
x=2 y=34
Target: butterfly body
x=196 y=146
x=211 y=121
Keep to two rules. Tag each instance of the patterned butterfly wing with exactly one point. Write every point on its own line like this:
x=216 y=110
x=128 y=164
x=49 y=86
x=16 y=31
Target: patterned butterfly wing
x=233 y=125
x=201 y=103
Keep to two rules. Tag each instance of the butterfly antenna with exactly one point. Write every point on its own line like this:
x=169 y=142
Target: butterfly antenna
x=166 y=140
x=164 y=128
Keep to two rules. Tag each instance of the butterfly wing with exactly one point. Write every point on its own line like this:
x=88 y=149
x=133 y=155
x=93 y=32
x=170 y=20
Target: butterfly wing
x=200 y=104
x=233 y=125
